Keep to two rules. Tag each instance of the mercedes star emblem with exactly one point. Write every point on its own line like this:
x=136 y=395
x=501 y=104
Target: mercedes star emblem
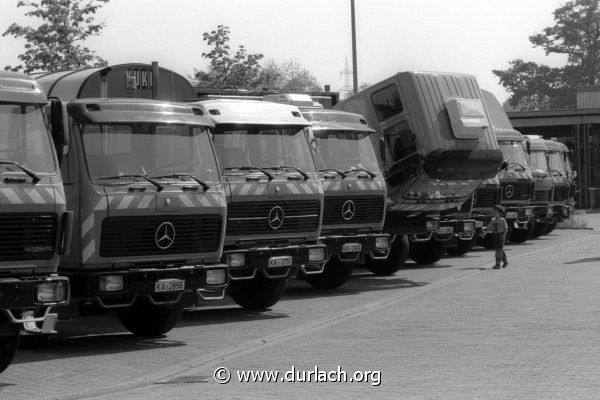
x=348 y=210
x=275 y=218
x=509 y=191
x=165 y=235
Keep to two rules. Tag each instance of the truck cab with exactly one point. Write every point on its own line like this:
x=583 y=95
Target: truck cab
x=543 y=212
x=437 y=146
x=142 y=180
x=355 y=192
x=35 y=225
x=571 y=175
x=560 y=183
x=274 y=197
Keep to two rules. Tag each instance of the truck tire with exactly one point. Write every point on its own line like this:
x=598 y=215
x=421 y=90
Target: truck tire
x=550 y=227
x=258 y=293
x=427 y=252
x=396 y=259
x=521 y=235
x=8 y=343
x=464 y=246
x=335 y=274
x=539 y=229
x=149 y=320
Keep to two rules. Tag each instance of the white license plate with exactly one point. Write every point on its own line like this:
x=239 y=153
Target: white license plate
x=445 y=229
x=351 y=247
x=280 y=261
x=169 y=285
x=478 y=224
x=511 y=215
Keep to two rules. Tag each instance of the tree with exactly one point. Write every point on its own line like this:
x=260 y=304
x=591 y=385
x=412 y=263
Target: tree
x=290 y=75
x=241 y=70
x=56 y=44
x=576 y=34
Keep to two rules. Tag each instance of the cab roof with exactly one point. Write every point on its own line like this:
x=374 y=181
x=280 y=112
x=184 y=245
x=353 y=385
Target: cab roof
x=536 y=142
x=103 y=111
x=552 y=146
x=323 y=119
x=20 y=88
x=235 y=111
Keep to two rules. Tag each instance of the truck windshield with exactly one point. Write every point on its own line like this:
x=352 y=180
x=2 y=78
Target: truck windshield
x=555 y=163
x=263 y=147
x=347 y=150
x=149 y=149
x=24 y=137
x=538 y=162
x=514 y=155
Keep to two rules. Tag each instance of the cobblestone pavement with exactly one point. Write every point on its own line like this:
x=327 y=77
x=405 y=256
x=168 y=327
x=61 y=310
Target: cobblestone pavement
x=456 y=330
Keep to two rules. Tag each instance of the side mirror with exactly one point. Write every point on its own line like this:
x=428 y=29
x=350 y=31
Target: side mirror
x=57 y=124
x=382 y=149
x=574 y=174
x=528 y=147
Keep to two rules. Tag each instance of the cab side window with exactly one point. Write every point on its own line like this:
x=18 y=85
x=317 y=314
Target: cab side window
x=387 y=102
x=401 y=145
x=400 y=141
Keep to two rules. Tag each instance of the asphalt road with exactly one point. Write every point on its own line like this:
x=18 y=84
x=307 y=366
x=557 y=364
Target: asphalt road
x=454 y=330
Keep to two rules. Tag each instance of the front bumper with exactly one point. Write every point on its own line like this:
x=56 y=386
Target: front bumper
x=352 y=248
x=161 y=286
x=519 y=217
x=20 y=300
x=461 y=229
x=274 y=262
x=543 y=213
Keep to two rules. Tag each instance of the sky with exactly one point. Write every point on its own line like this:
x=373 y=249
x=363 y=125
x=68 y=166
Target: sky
x=469 y=36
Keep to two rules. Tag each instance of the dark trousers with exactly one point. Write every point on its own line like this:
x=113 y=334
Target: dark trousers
x=499 y=239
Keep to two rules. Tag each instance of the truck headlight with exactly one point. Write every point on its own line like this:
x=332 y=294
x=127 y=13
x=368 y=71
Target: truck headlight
x=110 y=283
x=550 y=211
x=529 y=212
x=216 y=276
x=316 y=254
x=432 y=225
x=235 y=259
x=469 y=226
x=52 y=291
x=382 y=242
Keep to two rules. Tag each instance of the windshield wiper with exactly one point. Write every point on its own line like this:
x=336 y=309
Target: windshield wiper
x=343 y=175
x=361 y=169
x=34 y=177
x=159 y=186
x=282 y=167
x=204 y=185
x=247 y=168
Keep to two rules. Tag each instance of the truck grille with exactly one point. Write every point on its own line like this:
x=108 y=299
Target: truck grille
x=541 y=196
x=137 y=236
x=252 y=218
x=486 y=197
x=560 y=193
x=28 y=236
x=520 y=191
x=367 y=209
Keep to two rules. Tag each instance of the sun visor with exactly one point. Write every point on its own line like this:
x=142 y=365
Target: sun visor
x=467 y=117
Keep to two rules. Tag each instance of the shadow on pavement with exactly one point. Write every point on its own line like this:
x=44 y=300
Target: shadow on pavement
x=359 y=282
x=96 y=344
x=219 y=316
x=584 y=260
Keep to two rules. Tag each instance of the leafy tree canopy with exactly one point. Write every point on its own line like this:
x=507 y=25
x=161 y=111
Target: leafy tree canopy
x=56 y=44
x=576 y=34
x=243 y=70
